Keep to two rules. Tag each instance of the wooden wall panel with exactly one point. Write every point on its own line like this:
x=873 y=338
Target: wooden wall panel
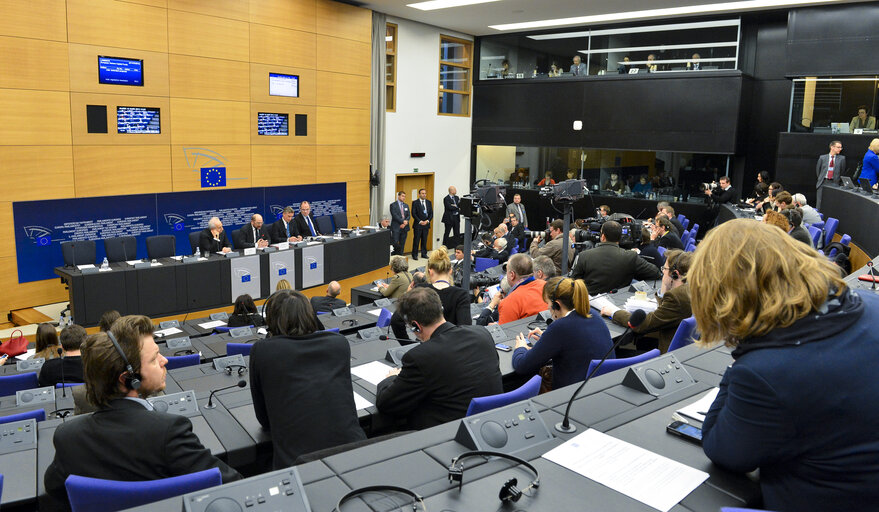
x=208 y=36
x=291 y=111
x=343 y=55
x=342 y=20
x=199 y=77
x=17 y=57
x=31 y=173
x=342 y=126
x=285 y=47
x=152 y=3
x=30 y=118
x=234 y=9
x=84 y=70
x=283 y=165
x=199 y=122
x=358 y=202
x=78 y=115
x=118 y=24
x=186 y=165
x=121 y=170
x=299 y=15
x=342 y=163
x=39 y=19
x=36 y=293
x=340 y=90
x=259 y=84
x=7 y=236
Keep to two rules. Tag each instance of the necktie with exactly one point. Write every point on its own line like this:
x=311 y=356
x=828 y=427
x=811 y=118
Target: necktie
x=830 y=168
x=402 y=213
x=287 y=225
x=424 y=206
x=520 y=213
x=308 y=220
x=255 y=240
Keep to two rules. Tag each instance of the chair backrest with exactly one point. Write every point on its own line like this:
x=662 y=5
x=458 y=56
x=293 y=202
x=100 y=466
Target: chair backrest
x=846 y=240
x=238 y=348
x=830 y=226
x=694 y=232
x=681 y=217
x=68 y=385
x=325 y=224
x=691 y=246
x=685 y=222
x=815 y=233
x=9 y=384
x=484 y=263
x=83 y=250
x=334 y=329
x=193 y=241
x=487 y=403
x=661 y=250
x=615 y=364
x=120 y=248
x=514 y=249
x=161 y=246
x=384 y=318
x=36 y=414
x=340 y=219
x=182 y=361
x=684 y=335
x=95 y=494
x=685 y=237
x=237 y=236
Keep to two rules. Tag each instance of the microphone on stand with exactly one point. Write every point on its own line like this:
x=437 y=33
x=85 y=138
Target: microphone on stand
x=63 y=387
x=241 y=383
x=636 y=319
x=358 y=220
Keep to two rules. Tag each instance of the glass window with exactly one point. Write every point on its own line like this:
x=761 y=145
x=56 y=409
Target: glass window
x=834 y=105
x=391 y=67
x=454 y=76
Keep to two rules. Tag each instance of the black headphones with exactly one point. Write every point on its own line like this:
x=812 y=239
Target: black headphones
x=673 y=272
x=555 y=303
x=241 y=369
x=132 y=381
x=375 y=488
x=509 y=492
x=352 y=322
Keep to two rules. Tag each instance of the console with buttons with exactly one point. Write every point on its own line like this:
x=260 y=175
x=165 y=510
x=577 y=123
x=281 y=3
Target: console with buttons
x=370 y=333
x=278 y=490
x=35 y=396
x=182 y=403
x=509 y=429
x=395 y=355
x=18 y=435
x=30 y=365
x=497 y=333
x=179 y=343
x=659 y=376
x=220 y=363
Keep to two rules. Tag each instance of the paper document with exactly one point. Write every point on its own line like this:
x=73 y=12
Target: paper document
x=602 y=302
x=132 y=262
x=155 y=264
x=633 y=304
x=83 y=267
x=375 y=312
x=167 y=332
x=211 y=325
x=699 y=408
x=360 y=402
x=102 y=269
x=373 y=372
x=652 y=479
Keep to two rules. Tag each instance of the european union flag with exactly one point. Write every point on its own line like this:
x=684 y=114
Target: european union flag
x=213 y=177
x=245 y=278
x=282 y=271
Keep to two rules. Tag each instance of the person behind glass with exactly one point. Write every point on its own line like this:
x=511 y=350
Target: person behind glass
x=422 y=215
x=46 y=342
x=624 y=66
x=870 y=167
x=577 y=67
x=399 y=222
x=614 y=184
x=813 y=439
x=451 y=216
x=303 y=223
x=651 y=64
x=643 y=186
x=571 y=174
x=694 y=64
x=245 y=313
x=213 y=238
x=574 y=338
x=547 y=180
x=255 y=234
x=555 y=70
x=862 y=120
x=400 y=281
x=725 y=193
x=505 y=69
x=283 y=229
x=301 y=368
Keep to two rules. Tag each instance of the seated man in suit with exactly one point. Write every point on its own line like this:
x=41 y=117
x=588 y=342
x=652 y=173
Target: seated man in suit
x=255 y=234
x=329 y=302
x=452 y=365
x=72 y=337
x=283 y=230
x=663 y=234
x=517 y=233
x=126 y=439
x=608 y=266
x=213 y=238
x=669 y=211
x=304 y=221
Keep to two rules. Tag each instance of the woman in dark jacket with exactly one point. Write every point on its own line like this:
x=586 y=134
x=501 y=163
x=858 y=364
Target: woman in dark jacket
x=245 y=313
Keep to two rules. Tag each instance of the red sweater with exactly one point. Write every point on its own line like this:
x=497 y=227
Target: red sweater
x=524 y=301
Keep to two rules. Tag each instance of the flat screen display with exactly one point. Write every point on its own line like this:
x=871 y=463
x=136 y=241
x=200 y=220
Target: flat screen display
x=269 y=123
x=118 y=71
x=283 y=85
x=138 y=120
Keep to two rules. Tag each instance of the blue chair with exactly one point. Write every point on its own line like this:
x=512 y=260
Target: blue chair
x=193 y=240
x=682 y=218
x=846 y=240
x=661 y=250
x=36 y=414
x=615 y=364
x=226 y=328
x=120 y=248
x=340 y=220
x=238 y=348
x=68 y=385
x=1 y=484
x=691 y=246
x=487 y=403
x=9 y=384
x=98 y=495
x=182 y=361
x=819 y=225
x=694 y=233
x=384 y=318
x=514 y=249
x=324 y=224
x=685 y=237
x=815 y=233
x=830 y=226
x=84 y=252
x=161 y=246
x=323 y=312
x=684 y=335
x=485 y=263
x=685 y=223
x=334 y=329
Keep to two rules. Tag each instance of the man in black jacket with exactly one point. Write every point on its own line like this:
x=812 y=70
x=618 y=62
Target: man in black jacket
x=607 y=266
x=724 y=194
x=213 y=238
x=439 y=377
x=329 y=302
x=255 y=234
x=422 y=215
x=663 y=234
x=399 y=222
x=451 y=216
x=72 y=337
x=304 y=221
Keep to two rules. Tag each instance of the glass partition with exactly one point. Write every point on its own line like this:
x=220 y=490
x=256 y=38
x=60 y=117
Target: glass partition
x=834 y=105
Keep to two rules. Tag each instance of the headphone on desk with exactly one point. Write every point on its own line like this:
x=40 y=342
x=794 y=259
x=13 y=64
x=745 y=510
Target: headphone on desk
x=508 y=492
x=132 y=381
x=375 y=488
x=351 y=323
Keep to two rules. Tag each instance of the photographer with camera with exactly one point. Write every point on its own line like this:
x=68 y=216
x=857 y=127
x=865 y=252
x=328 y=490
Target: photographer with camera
x=552 y=247
x=722 y=194
x=608 y=266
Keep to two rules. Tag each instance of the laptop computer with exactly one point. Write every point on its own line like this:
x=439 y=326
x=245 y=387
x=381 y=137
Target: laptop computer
x=847 y=182
x=865 y=186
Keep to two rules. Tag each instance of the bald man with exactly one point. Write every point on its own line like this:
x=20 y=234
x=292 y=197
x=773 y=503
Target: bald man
x=213 y=238
x=255 y=233
x=329 y=302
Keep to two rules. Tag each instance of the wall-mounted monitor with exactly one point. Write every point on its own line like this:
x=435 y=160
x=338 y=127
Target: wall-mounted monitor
x=119 y=71
x=138 y=120
x=268 y=123
x=283 y=85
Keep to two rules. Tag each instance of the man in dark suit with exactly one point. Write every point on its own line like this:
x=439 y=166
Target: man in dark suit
x=830 y=168
x=329 y=302
x=283 y=230
x=304 y=221
x=724 y=194
x=399 y=222
x=607 y=266
x=663 y=234
x=125 y=439
x=451 y=216
x=255 y=234
x=72 y=337
x=669 y=211
x=213 y=238
x=517 y=233
x=452 y=365
x=422 y=214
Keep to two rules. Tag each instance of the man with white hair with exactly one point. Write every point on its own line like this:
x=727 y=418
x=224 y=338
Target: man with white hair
x=810 y=215
x=213 y=238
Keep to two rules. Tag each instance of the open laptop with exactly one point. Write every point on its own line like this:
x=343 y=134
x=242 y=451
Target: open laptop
x=847 y=182
x=865 y=186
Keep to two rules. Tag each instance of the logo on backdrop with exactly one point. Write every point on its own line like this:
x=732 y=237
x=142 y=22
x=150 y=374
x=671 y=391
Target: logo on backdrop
x=277 y=210
x=209 y=164
x=243 y=274
x=213 y=177
x=39 y=234
x=280 y=268
x=175 y=220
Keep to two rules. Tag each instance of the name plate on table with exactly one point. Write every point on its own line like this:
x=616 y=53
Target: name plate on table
x=143 y=264
x=220 y=316
x=89 y=270
x=240 y=332
x=250 y=251
x=231 y=254
x=269 y=249
x=283 y=246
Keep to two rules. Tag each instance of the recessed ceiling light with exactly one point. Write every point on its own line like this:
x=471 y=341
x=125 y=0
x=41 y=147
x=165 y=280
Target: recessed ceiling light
x=433 y=5
x=657 y=13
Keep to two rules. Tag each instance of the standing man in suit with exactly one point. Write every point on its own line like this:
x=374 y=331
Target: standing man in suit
x=213 y=238
x=255 y=233
x=518 y=209
x=330 y=301
x=451 y=216
x=725 y=193
x=283 y=229
x=422 y=213
x=830 y=168
x=399 y=222
x=304 y=221
x=578 y=68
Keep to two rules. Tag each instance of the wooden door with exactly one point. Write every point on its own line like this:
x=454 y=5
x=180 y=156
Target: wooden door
x=411 y=183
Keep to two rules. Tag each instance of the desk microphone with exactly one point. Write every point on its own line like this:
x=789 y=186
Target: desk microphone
x=63 y=387
x=358 y=220
x=241 y=383
x=636 y=319
x=407 y=341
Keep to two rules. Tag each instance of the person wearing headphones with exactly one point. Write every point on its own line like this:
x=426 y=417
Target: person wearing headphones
x=125 y=439
x=574 y=338
x=673 y=301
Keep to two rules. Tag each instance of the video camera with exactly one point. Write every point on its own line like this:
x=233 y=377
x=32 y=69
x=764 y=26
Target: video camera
x=486 y=196
x=566 y=191
x=591 y=232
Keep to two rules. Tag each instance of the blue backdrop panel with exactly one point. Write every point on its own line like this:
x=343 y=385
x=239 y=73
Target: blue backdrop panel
x=325 y=199
x=41 y=226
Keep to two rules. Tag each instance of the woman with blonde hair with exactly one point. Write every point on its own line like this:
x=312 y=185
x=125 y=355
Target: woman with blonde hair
x=283 y=284
x=799 y=401
x=574 y=338
x=400 y=281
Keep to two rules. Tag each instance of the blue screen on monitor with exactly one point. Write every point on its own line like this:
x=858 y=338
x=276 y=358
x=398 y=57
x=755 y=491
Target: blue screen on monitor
x=272 y=124
x=283 y=85
x=138 y=120
x=117 y=71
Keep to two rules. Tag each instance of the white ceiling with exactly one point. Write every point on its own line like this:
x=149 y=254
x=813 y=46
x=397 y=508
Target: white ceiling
x=475 y=19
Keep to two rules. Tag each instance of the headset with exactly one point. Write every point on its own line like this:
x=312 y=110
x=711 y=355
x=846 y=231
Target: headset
x=374 y=488
x=132 y=381
x=352 y=322
x=555 y=303
x=509 y=492
x=673 y=271
x=241 y=369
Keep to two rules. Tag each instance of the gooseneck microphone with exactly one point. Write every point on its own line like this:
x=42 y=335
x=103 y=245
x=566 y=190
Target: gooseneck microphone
x=636 y=319
x=407 y=341
x=63 y=387
x=241 y=383
x=359 y=224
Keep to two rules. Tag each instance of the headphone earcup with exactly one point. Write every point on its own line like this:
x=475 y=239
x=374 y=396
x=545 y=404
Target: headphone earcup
x=675 y=275
x=555 y=305
x=509 y=492
x=415 y=327
x=132 y=381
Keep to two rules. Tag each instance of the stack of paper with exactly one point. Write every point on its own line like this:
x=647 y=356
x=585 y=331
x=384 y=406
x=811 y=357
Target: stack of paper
x=373 y=372
x=601 y=301
x=632 y=304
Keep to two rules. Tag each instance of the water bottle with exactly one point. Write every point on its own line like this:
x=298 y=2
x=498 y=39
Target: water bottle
x=197 y=252
x=105 y=264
